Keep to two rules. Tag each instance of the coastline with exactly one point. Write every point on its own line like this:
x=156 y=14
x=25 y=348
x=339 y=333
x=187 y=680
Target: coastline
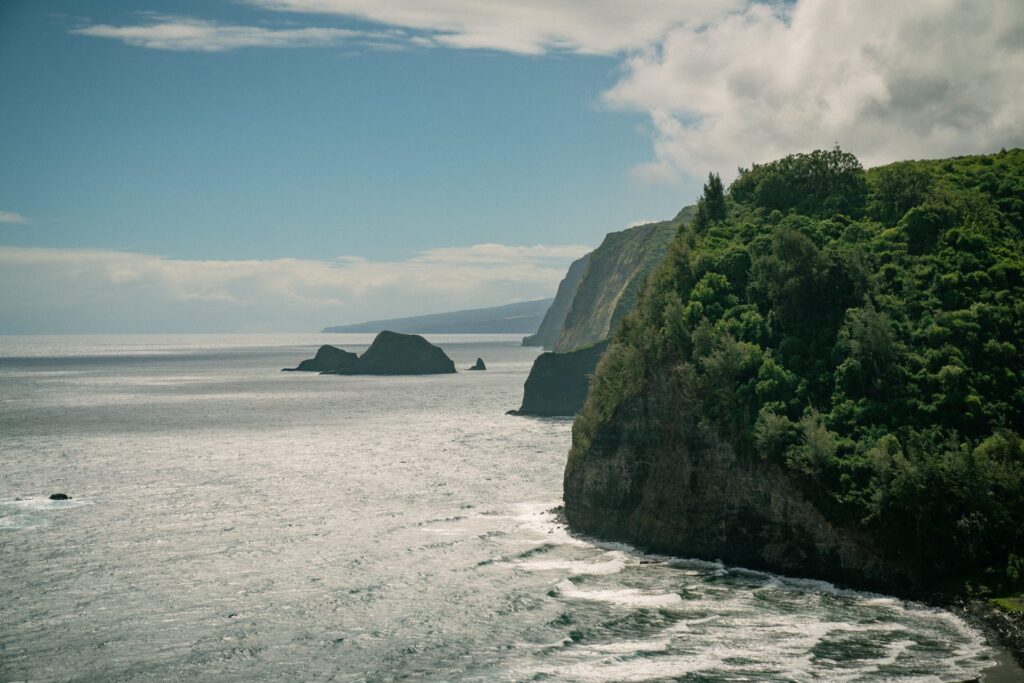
x=1003 y=630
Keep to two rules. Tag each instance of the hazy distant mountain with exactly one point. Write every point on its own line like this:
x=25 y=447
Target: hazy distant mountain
x=520 y=318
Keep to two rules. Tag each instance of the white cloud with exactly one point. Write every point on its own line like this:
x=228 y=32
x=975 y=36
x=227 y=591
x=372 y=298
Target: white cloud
x=886 y=80
x=525 y=26
x=43 y=289
x=187 y=34
x=12 y=217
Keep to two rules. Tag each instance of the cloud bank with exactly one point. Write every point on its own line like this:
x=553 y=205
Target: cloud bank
x=45 y=290
x=525 y=26
x=885 y=80
x=185 y=34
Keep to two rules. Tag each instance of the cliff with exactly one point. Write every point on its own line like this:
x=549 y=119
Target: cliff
x=558 y=382
x=614 y=277
x=551 y=326
x=827 y=382
x=652 y=477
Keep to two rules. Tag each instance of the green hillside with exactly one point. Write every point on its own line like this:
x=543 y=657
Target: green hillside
x=851 y=345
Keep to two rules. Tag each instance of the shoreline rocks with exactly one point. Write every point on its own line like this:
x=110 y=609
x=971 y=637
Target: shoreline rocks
x=479 y=365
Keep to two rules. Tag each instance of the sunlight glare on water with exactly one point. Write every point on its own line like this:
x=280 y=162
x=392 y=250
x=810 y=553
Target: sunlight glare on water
x=232 y=522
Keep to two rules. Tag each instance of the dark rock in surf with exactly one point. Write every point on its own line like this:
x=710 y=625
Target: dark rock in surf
x=60 y=496
x=328 y=359
x=479 y=365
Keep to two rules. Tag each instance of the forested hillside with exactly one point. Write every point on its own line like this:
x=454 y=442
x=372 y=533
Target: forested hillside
x=857 y=334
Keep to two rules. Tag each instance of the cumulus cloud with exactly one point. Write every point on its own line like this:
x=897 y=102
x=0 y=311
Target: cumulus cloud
x=886 y=80
x=525 y=26
x=12 y=217
x=62 y=290
x=196 y=35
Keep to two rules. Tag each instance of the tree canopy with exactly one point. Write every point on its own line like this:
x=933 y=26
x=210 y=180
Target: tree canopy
x=864 y=330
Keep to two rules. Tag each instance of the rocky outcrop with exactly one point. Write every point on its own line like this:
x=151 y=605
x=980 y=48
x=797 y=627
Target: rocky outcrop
x=328 y=359
x=390 y=353
x=59 y=496
x=558 y=382
x=614 y=277
x=551 y=327
x=652 y=476
x=479 y=365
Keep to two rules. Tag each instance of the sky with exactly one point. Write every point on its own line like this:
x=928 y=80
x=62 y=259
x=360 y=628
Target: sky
x=279 y=165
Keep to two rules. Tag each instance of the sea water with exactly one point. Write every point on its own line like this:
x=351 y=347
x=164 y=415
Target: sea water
x=232 y=522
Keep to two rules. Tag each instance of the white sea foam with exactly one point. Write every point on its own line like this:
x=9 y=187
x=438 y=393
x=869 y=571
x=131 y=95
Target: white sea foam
x=615 y=563
x=625 y=597
x=46 y=503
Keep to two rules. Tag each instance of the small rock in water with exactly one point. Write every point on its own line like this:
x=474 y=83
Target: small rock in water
x=60 y=496
x=479 y=365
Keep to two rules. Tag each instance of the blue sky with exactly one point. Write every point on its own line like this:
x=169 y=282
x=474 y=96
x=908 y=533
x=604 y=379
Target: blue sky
x=287 y=164
x=306 y=152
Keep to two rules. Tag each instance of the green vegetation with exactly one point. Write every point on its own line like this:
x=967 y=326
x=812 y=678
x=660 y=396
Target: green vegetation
x=863 y=330
x=1011 y=604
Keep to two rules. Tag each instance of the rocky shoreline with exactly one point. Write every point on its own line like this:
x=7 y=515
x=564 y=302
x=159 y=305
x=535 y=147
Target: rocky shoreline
x=1002 y=628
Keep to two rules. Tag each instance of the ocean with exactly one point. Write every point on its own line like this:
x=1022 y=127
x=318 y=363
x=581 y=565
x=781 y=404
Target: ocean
x=231 y=522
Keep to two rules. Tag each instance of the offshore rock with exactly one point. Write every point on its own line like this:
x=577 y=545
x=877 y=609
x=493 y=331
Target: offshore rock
x=328 y=359
x=60 y=496
x=479 y=365
x=652 y=476
x=392 y=353
x=558 y=382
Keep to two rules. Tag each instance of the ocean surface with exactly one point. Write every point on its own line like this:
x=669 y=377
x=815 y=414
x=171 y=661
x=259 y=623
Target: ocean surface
x=232 y=522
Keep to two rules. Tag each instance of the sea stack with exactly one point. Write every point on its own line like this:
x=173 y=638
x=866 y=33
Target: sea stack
x=479 y=365
x=390 y=353
x=328 y=359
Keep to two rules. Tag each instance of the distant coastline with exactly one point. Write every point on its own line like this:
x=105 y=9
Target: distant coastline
x=518 y=318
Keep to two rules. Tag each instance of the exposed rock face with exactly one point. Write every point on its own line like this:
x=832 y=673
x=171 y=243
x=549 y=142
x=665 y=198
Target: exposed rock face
x=392 y=353
x=653 y=477
x=551 y=327
x=614 y=278
x=479 y=365
x=328 y=359
x=558 y=382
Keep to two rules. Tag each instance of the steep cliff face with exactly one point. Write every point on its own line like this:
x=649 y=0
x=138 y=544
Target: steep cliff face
x=551 y=327
x=653 y=477
x=558 y=382
x=613 y=280
x=825 y=382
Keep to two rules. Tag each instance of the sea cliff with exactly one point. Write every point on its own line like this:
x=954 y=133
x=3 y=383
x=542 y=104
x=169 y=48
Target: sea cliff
x=825 y=378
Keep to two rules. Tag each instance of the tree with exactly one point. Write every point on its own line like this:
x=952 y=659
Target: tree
x=714 y=198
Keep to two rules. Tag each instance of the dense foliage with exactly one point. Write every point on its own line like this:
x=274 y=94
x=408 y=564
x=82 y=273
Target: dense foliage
x=863 y=330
